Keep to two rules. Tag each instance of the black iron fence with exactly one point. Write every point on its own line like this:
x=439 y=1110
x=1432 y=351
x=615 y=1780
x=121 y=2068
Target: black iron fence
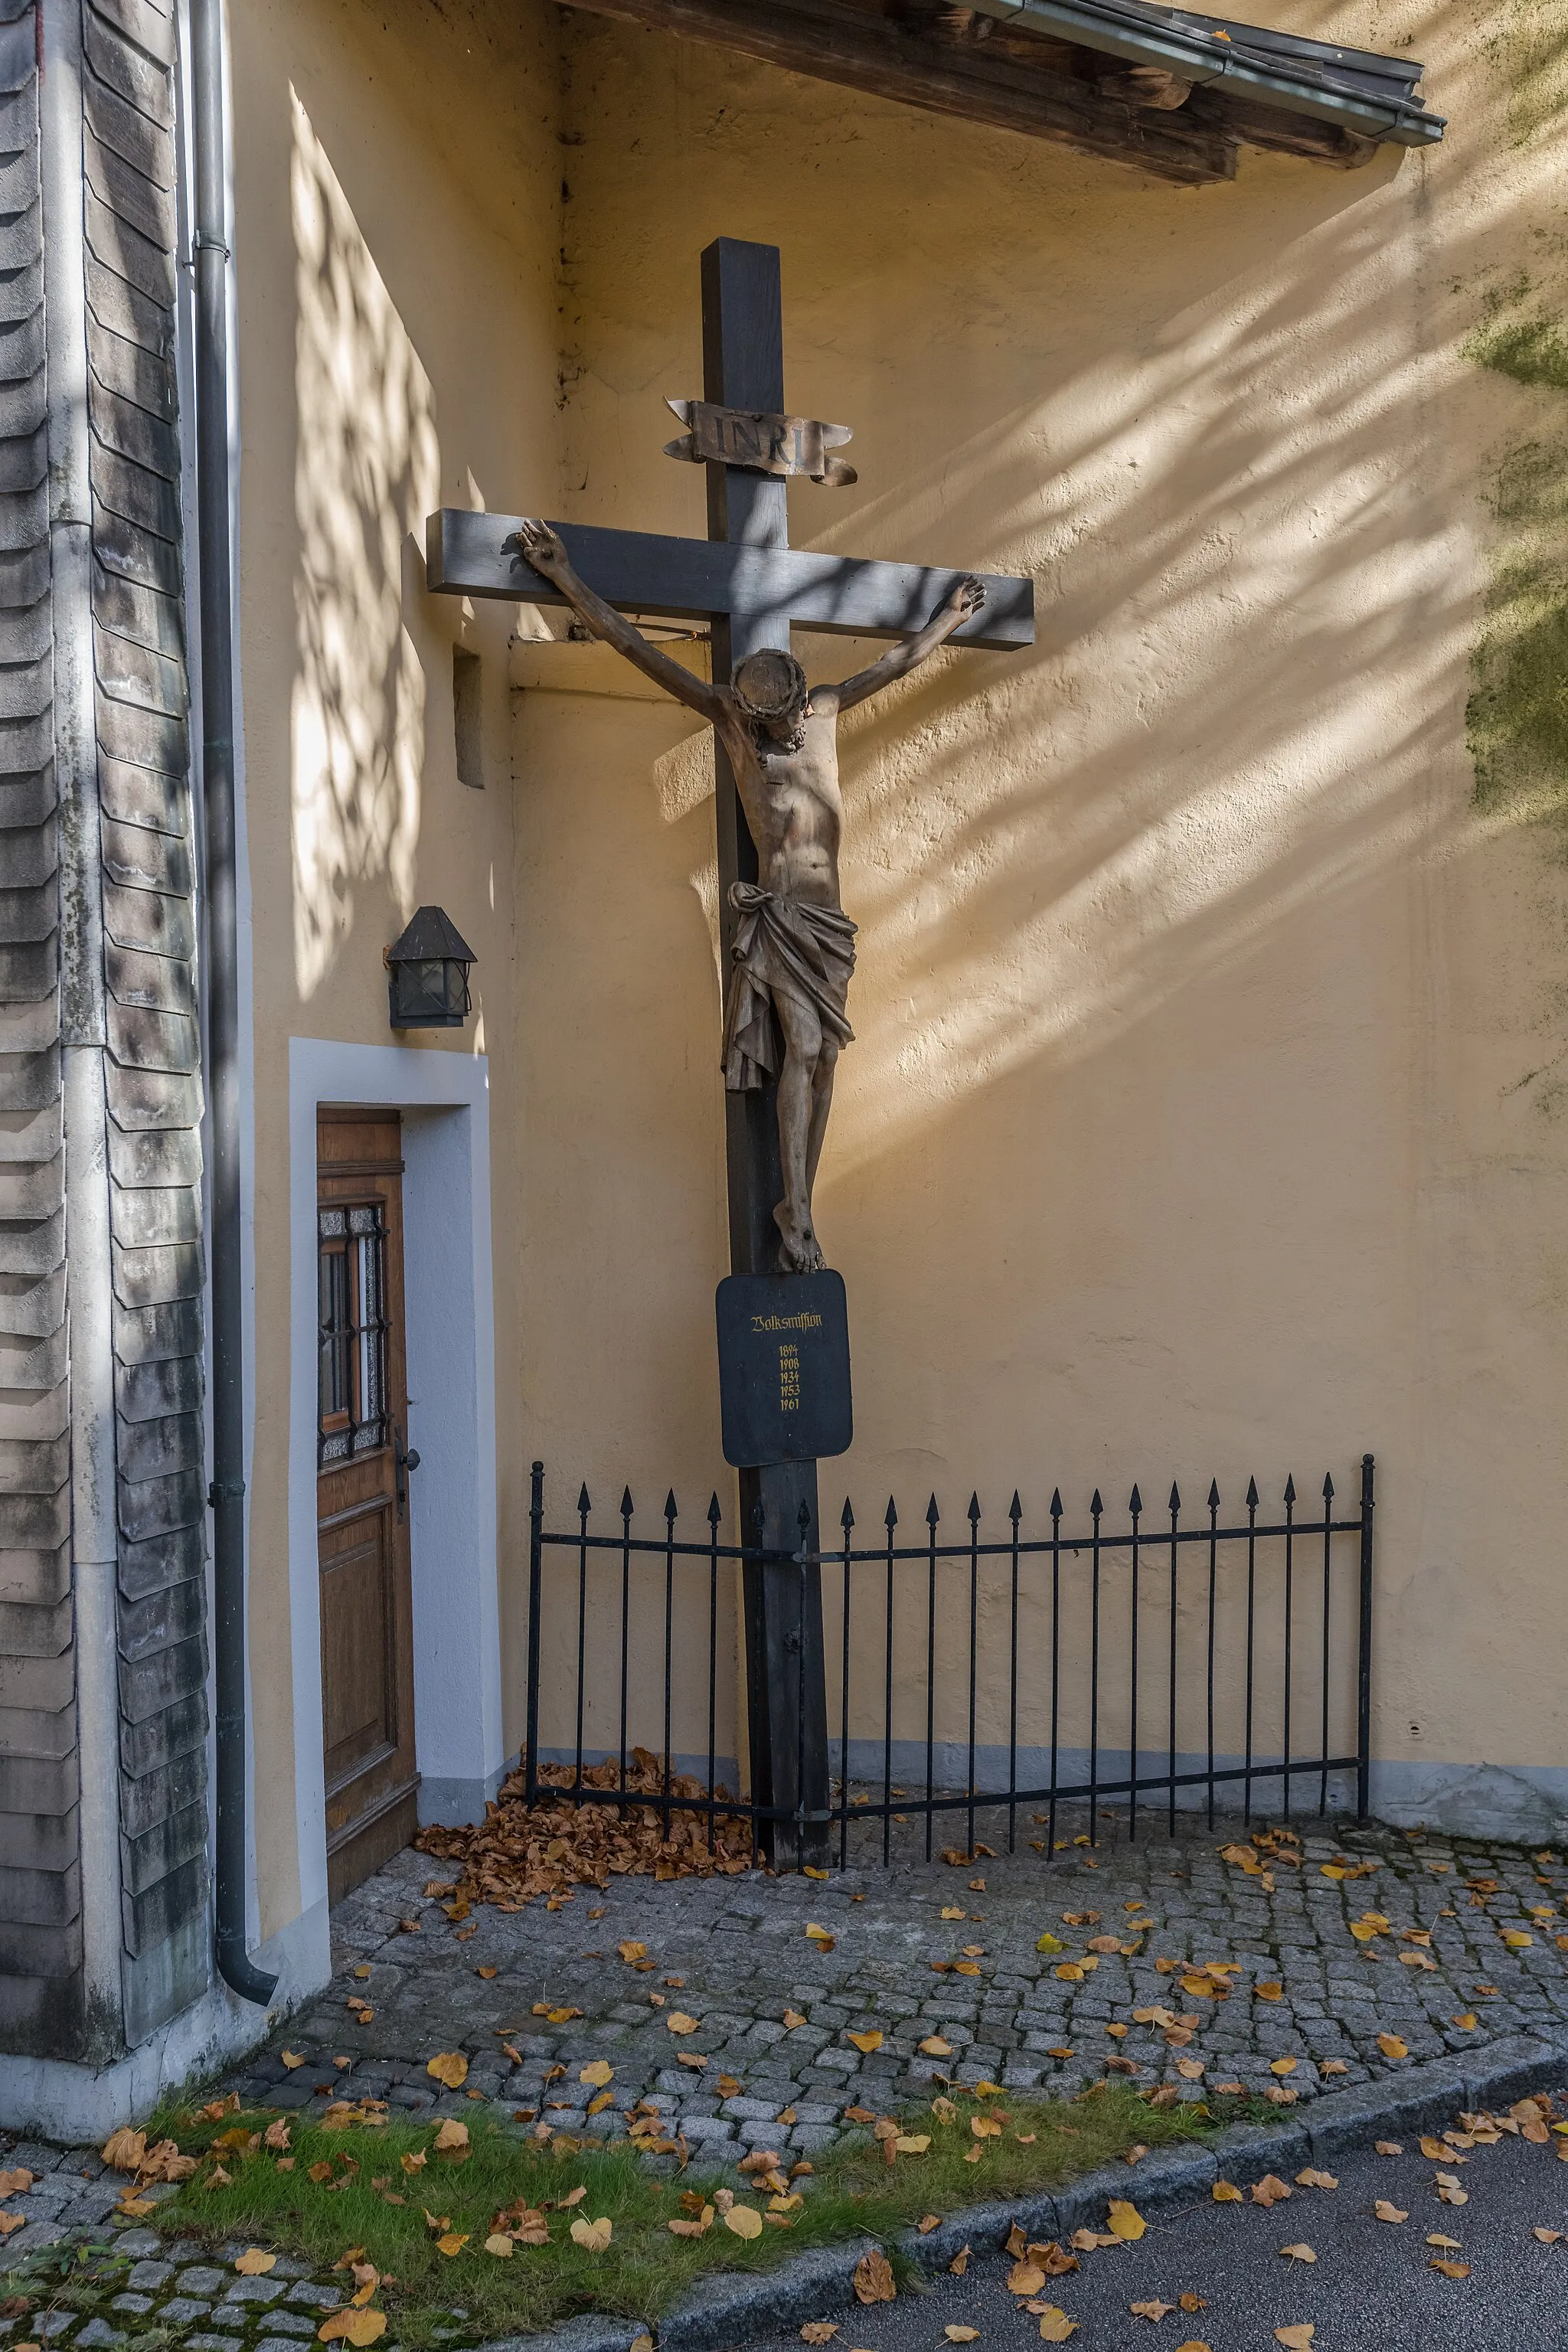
x=1171 y=1660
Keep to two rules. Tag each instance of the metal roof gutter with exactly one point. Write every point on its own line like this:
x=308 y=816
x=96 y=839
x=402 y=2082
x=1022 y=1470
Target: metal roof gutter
x=1350 y=88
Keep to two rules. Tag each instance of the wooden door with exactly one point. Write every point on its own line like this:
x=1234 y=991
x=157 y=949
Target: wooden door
x=362 y=1502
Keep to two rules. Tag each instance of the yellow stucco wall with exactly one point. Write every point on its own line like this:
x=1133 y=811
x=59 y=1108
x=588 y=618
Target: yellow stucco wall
x=397 y=211
x=1191 y=1126
x=1185 y=1130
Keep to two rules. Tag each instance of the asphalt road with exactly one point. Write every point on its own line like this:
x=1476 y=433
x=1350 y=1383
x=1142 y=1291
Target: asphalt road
x=1369 y=2290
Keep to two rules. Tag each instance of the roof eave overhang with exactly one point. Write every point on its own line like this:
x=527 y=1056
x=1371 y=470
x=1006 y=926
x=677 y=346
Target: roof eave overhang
x=1204 y=59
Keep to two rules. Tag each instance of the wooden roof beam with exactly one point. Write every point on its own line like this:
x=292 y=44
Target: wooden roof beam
x=831 y=40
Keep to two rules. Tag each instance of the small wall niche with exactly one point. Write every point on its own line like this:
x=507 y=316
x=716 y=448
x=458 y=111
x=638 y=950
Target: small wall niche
x=467 y=719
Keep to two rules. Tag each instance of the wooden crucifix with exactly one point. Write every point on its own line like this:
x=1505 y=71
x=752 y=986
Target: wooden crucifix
x=785 y=941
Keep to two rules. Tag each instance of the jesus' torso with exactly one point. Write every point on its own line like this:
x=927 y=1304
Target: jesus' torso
x=792 y=802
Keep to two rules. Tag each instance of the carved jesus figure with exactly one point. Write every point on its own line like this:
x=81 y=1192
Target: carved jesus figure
x=785 y=1014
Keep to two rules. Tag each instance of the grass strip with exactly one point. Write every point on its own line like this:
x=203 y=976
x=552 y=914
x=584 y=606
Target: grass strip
x=421 y=2216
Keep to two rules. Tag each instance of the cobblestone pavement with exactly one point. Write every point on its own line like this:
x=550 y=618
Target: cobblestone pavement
x=734 y=1953
x=773 y=2005
x=164 y=2291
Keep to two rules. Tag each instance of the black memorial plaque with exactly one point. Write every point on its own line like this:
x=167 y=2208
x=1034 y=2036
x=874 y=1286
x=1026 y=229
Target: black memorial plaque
x=783 y=1367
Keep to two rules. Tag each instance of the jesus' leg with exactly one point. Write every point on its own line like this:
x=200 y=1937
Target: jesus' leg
x=821 y=1104
x=803 y=1052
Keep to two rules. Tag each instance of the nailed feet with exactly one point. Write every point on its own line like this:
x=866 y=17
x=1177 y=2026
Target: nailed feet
x=798 y=1249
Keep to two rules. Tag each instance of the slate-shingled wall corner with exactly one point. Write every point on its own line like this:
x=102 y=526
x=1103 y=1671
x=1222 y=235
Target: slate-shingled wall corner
x=153 y=1060
x=41 y=1983
x=106 y=1765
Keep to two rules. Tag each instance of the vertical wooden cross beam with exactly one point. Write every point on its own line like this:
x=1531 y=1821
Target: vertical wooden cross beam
x=742 y=367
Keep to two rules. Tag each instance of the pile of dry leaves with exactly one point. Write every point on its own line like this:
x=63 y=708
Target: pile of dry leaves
x=517 y=1854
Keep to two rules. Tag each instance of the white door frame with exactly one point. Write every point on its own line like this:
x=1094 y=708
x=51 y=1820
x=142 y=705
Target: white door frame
x=449 y=1310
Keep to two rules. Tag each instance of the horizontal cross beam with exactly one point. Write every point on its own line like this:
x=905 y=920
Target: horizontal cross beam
x=468 y=554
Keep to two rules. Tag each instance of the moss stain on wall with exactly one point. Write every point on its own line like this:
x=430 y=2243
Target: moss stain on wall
x=1516 y=716
x=1531 y=56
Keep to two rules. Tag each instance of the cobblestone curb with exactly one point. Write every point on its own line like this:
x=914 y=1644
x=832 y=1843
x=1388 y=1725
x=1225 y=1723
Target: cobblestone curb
x=729 y=2312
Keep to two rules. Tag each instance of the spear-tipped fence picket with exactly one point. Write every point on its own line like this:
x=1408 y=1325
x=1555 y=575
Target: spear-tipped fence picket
x=1161 y=1662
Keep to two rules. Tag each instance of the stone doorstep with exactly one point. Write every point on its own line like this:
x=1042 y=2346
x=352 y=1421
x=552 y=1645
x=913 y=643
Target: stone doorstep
x=724 y=2314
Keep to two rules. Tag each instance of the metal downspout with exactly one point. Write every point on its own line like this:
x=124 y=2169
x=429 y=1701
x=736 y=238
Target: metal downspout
x=209 y=256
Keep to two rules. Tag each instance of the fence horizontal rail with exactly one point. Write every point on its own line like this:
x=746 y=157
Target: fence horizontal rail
x=1102 y=1623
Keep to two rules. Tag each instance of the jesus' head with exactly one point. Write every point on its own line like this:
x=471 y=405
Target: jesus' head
x=771 y=690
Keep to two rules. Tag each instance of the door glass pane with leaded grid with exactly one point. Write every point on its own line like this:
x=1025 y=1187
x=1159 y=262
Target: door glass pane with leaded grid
x=352 y=1324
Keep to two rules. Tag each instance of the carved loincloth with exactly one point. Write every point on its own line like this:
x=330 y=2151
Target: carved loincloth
x=785 y=947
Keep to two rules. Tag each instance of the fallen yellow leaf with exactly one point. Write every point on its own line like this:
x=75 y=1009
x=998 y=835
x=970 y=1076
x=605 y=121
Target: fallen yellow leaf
x=912 y=2143
x=595 y=2236
x=744 y=2220
x=449 y=2066
x=1049 y=1943
x=1282 y=2065
x=873 y=2279
x=957 y=2335
x=1448 y=2269
x=1392 y=2046
x=451 y=2242
x=1298 y=2253
x=498 y=2243
x=865 y=2043
x=254 y=2262
x=679 y=2023
x=356 y=2328
x=819 y=2331
x=597 y=2072
x=1298 y=2339
x=935 y=2047
x=1387 y=2213
x=452 y=2139
x=1225 y=2192
x=1055 y=2325
x=1125 y=2220
x=791 y=2017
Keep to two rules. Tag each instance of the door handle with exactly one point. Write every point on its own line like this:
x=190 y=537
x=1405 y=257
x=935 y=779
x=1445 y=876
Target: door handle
x=403 y=1459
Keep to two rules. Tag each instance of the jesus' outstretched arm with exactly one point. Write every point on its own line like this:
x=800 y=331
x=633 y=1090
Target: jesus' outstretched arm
x=544 y=548
x=967 y=597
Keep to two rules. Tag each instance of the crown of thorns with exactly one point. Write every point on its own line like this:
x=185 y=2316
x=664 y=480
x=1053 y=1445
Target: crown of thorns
x=767 y=685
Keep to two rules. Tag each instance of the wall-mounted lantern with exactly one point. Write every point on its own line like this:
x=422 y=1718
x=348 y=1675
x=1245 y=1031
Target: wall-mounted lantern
x=430 y=967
